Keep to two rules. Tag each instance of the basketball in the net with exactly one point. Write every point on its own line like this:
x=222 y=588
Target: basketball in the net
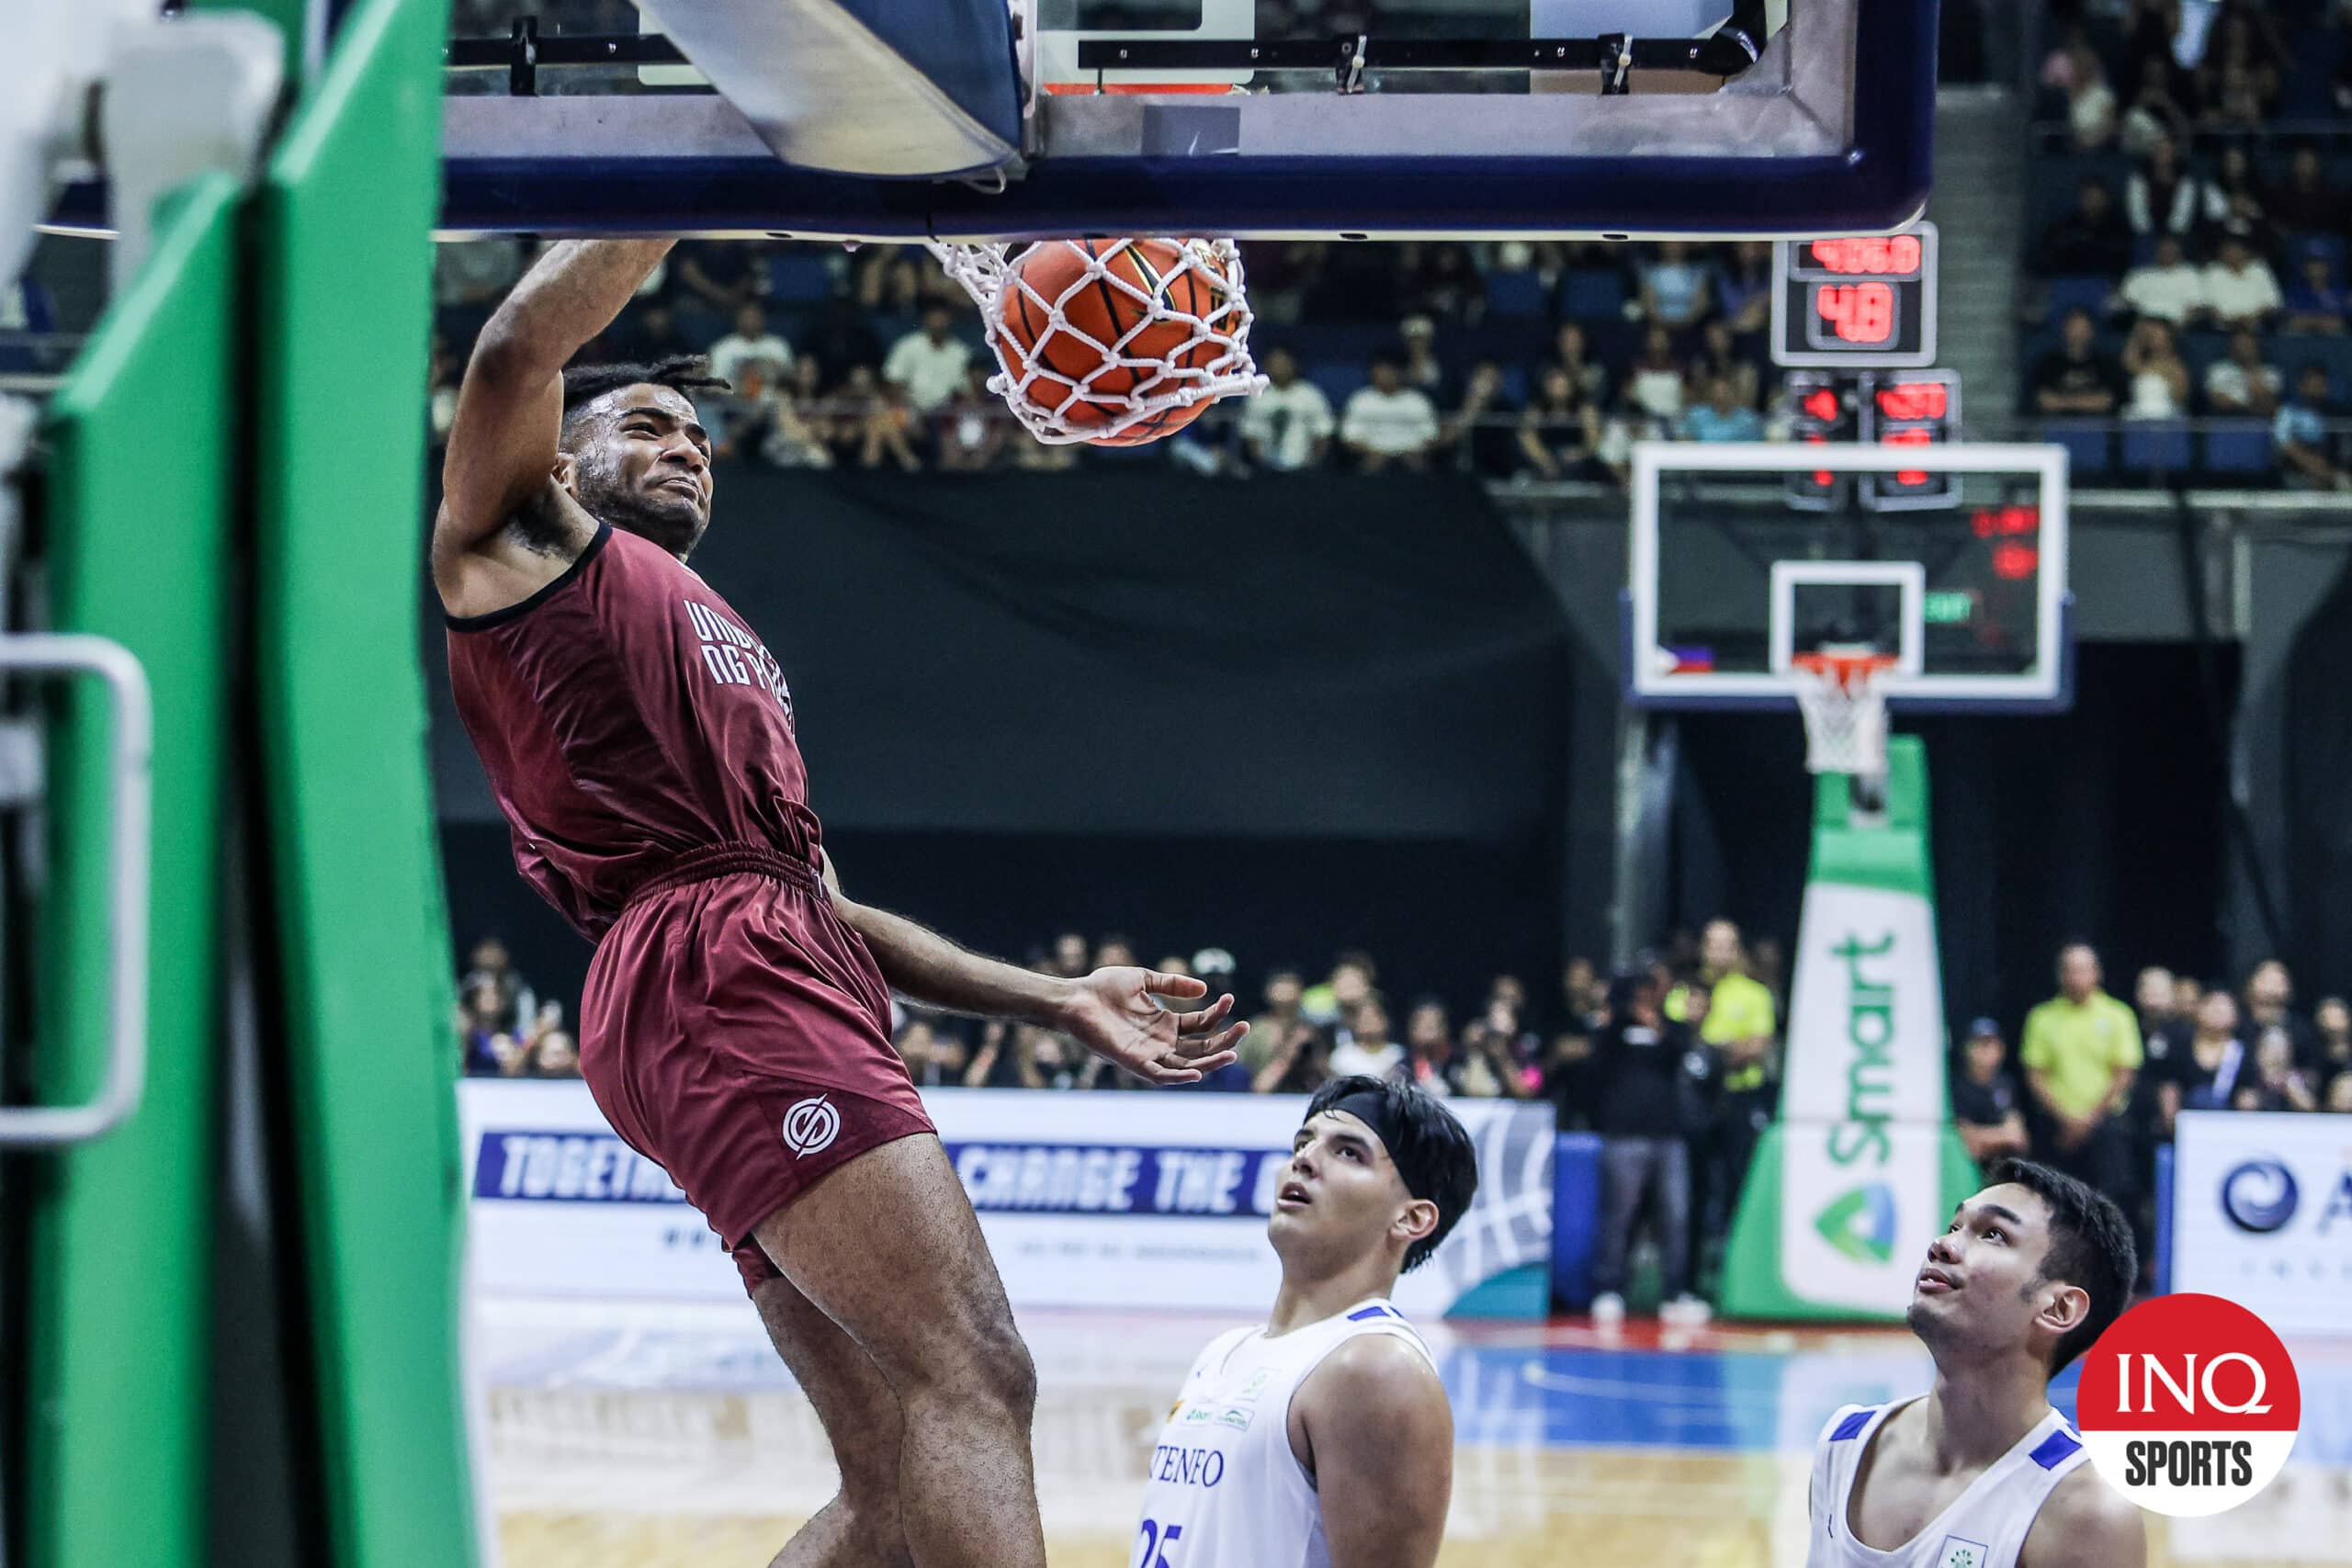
x=1088 y=381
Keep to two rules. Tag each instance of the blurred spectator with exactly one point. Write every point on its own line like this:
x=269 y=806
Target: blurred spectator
x=2281 y=1084
x=2166 y=288
x=1743 y=287
x=2186 y=994
x=1301 y=1062
x=491 y=966
x=2315 y=302
x=1068 y=958
x=1114 y=953
x=2238 y=78
x=2162 y=100
x=1288 y=426
x=1720 y=355
x=719 y=274
x=1656 y=386
x=486 y=1043
x=2077 y=378
x=2151 y=1000
x=742 y=416
x=1496 y=1057
x=795 y=437
x=928 y=364
x=875 y=425
x=1482 y=427
x=1417 y=360
x=2308 y=448
x=2091 y=239
x=934 y=1058
x=1674 y=287
x=2339 y=1094
x=2332 y=1022
x=2081 y=1053
x=1721 y=417
x=2241 y=384
x=1638 y=1059
x=969 y=431
x=1352 y=977
x=1985 y=1100
x=751 y=340
x=441 y=372
x=1278 y=1012
x=2238 y=196
x=1741 y=1022
x=2270 y=1003
x=1559 y=436
x=2240 y=288
x=2074 y=69
x=1367 y=1048
x=2162 y=197
x=1570 y=354
x=2306 y=203
x=1431 y=1059
x=476 y=272
x=2159 y=376
x=556 y=1056
x=1007 y=1058
x=1388 y=423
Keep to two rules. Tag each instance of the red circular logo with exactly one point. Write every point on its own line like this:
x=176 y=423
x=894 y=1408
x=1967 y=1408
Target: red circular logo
x=2188 y=1405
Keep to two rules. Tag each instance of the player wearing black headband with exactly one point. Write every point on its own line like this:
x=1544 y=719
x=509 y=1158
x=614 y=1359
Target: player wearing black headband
x=1323 y=1437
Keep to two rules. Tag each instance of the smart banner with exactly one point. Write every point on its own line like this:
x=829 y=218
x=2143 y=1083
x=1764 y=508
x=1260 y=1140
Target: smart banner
x=1131 y=1200
x=2262 y=1215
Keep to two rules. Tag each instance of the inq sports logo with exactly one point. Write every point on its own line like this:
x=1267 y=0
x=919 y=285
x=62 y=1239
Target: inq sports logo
x=810 y=1125
x=2259 y=1195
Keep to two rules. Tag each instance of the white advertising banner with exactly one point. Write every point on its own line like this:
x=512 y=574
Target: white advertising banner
x=1140 y=1200
x=2262 y=1215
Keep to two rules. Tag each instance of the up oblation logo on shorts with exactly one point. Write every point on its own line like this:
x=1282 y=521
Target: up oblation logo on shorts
x=2188 y=1405
x=810 y=1125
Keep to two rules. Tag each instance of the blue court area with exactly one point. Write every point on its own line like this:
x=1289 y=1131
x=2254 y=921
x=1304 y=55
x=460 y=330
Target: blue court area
x=1562 y=1385
x=652 y=1435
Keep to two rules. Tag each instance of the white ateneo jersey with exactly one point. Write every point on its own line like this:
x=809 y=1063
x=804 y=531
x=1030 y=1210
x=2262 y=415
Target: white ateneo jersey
x=1225 y=1491
x=1984 y=1527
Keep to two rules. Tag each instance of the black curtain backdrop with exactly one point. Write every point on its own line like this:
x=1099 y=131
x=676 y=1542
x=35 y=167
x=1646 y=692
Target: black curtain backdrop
x=2318 y=725
x=1283 y=717
x=2103 y=824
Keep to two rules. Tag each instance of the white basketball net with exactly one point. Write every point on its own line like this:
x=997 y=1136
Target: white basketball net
x=1845 y=715
x=1051 y=405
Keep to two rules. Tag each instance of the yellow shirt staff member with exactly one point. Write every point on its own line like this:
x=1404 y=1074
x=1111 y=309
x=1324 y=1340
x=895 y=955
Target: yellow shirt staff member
x=2081 y=1054
x=1741 y=1017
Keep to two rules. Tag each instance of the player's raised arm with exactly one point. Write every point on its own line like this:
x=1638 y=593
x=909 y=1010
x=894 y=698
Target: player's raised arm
x=1381 y=1439
x=510 y=409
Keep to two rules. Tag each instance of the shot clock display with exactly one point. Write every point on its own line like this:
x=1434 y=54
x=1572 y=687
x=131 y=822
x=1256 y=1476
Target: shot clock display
x=1910 y=408
x=1861 y=301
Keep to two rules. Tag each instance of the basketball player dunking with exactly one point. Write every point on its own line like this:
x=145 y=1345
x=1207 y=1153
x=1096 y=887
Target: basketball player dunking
x=1322 y=1439
x=1980 y=1472
x=736 y=1021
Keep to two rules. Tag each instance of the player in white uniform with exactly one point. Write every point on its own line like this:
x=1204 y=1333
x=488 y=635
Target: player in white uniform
x=1322 y=1439
x=1980 y=1472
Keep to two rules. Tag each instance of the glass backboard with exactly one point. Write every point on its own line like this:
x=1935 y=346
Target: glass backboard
x=976 y=120
x=1744 y=556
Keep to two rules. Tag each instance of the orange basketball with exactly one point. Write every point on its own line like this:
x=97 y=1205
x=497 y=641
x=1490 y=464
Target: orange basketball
x=1107 y=311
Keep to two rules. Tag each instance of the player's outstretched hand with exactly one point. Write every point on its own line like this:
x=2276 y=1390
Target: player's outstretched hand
x=1116 y=1014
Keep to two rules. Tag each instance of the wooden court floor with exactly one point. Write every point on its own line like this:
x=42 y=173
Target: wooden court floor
x=652 y=1438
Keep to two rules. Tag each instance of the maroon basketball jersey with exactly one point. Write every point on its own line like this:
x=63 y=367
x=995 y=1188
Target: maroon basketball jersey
x=626 y=718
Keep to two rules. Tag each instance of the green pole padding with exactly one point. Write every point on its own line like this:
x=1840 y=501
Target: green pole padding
x=1864 y=1166
x=343 y=310
x=140 y=485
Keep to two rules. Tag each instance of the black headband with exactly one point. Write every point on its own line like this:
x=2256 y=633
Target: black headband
x=1376 y=1112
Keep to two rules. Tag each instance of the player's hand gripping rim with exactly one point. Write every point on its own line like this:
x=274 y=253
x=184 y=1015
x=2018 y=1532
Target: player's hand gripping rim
x=1116 y=1014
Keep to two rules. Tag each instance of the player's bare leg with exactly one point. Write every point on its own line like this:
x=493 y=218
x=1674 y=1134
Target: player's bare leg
x=860 y=1528
x=889 y=1247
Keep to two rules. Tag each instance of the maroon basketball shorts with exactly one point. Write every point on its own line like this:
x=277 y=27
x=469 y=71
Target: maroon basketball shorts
x=737 y=1032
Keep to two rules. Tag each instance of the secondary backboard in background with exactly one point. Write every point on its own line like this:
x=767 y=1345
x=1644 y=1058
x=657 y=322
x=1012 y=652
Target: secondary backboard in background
x=1730 y=577
x=871 y=119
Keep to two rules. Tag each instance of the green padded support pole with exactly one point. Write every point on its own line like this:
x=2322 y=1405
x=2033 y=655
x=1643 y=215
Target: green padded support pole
x=141 y=478
x=342 y=311
x=1864 y=1166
